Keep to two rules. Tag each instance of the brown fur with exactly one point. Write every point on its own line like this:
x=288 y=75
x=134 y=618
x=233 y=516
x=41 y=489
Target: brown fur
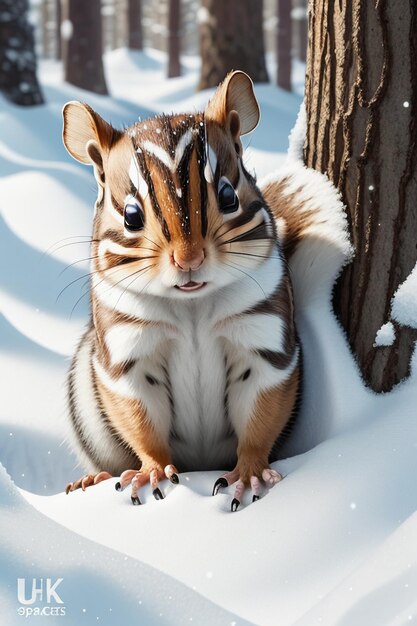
x=287 y=207
x=270 y=415
x=174 y=223
x=130 y=420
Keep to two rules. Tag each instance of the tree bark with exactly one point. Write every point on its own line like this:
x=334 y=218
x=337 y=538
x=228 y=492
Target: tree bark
x=174 y=44
x=300 y=28
x=82 y=45
x=18 y=80
x=231 y=38
x=284 y=44
x=45 y=28
x=58 y=20
x=361 y=100
x=135 y=41
x=121 y=23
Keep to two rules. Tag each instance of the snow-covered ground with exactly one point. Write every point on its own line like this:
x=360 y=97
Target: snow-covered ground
x=335 y=543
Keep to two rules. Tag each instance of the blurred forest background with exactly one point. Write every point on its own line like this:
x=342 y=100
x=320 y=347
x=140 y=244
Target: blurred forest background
x=227 y=34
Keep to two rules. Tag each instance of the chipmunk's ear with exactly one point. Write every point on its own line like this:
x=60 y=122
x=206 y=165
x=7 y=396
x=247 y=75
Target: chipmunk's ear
x=86 y=136
x=234 y=105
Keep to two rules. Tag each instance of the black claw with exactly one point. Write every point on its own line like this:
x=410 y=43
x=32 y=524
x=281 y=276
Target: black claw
x=174 y=479
x=135 y=500
x=235 y=505
x=220 y=483
x=118 y=486
x=157 y=493
x=255 y=498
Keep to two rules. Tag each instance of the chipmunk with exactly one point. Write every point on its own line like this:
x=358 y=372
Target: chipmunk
x=191 y=360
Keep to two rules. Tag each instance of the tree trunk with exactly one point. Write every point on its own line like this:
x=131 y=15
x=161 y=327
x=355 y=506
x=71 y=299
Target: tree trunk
x=174 y=45
x=231 y=38
x=284 y=44
x=45 y=28
x=135 y=24
x=121 y=23
x=300 y=27
x=58 y=20
x=18 y=81
x=82 y=46
x=361 y=100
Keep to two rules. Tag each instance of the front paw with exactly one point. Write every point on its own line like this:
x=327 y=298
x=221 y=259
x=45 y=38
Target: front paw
x=87 y=481
x=245 y=475
x=139 y=478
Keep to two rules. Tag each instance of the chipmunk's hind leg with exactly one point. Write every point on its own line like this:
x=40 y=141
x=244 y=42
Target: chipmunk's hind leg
x=87 y=481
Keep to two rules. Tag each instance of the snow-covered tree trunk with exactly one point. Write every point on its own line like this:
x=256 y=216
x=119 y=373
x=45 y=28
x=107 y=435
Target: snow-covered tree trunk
x=18 y=81
x=361 y=101
x=174 y=41
x=82 y=45
x=135 y=38
x=231 y=38
x=284 y=44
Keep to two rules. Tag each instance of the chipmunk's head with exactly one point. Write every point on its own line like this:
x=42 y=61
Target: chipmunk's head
x=177 y=213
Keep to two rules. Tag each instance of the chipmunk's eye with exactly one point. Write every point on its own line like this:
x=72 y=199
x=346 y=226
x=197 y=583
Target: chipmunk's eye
x=228 y=200
x=134 y=216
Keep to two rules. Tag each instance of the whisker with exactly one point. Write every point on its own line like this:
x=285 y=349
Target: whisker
x=89 y=275
x=74 y=281
x=260 y=256
x=55 y=247
x=142 y=269
x=150 y=249
x=102 y=280
x=249 y=275
x=135 y=274
x=252 y=231
x=89 y=258
x=128 y=261
x=79 y=300
x=221 y=223
x=152 y=242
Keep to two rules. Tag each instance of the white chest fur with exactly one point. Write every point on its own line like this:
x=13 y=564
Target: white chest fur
x=196 y=356
x=197 y=371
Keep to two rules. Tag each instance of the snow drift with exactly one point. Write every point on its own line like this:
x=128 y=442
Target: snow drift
x=334 y=543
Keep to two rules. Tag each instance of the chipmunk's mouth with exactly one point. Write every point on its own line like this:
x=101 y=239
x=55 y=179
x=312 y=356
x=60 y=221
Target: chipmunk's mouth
x=191 y=286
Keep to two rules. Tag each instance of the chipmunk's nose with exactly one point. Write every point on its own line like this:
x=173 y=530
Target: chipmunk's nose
x=186 y=262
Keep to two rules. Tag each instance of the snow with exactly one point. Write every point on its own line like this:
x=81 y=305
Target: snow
x=385 y=335
x=404 y=302
x=334 y=543
x=108 y=587
x=66 y=29
x=297 y=136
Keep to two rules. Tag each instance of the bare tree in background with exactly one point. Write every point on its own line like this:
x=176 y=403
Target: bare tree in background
x=284 y=44
x=45 y=28
x=49 y=12
x=231 y=38
x=174 y=45
x=82 y=45
x=300 y=29
x=134 y=17
x=361 y=99
x=58 y=20
x=18 y=80
x=120 y=23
